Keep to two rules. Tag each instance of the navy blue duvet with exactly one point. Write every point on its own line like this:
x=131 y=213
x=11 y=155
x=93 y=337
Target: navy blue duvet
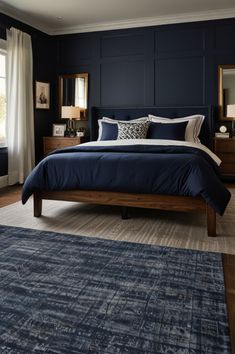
x=172 y=170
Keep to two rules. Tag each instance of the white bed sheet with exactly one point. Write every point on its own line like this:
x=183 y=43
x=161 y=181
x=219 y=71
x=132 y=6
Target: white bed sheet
x=155 y=142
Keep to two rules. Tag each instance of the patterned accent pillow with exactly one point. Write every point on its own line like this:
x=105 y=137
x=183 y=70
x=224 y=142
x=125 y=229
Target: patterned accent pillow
x=132 y=131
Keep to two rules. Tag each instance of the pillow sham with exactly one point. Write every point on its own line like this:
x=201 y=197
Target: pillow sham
x=193 y=128
x=107 y=131
x=174 y=131
x=108 y=127
x=132 y=131
x=111 y=120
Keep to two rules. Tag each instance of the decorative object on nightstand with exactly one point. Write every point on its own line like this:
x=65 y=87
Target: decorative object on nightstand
x=222 y=132
x=81 y=131
x=58 y=129
x=51 y=143
x=223 y=129
x=225 y=150
x=231 y=116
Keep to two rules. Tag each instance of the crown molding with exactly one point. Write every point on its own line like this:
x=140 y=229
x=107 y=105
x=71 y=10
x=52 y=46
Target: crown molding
x=21 y=16
x=122 y=24
x=147 y=22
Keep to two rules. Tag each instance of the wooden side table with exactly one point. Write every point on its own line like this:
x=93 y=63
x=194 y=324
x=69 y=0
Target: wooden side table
x=225 y=150
x=51 y=143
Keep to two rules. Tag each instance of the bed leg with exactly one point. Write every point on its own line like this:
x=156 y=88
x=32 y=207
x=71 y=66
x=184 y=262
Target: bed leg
x=211 y=221
x=125 y=214
x=37 y=200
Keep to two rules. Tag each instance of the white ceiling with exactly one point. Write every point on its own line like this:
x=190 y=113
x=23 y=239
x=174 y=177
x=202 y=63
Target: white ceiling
x=71 y=16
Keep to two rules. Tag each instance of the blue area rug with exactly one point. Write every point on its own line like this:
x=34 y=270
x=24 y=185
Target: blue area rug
x=70 y=294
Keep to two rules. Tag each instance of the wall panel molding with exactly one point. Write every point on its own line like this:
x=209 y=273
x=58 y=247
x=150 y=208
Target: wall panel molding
x=122 y=45
x=123 y=83
x=180 y=81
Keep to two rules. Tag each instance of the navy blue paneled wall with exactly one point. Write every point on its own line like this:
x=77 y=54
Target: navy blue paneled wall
x=163 y=65
x=153 y=66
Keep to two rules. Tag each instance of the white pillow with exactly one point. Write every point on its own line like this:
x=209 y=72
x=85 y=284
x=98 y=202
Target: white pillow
x=193 y=127
x=116 y=121
x=111 y=120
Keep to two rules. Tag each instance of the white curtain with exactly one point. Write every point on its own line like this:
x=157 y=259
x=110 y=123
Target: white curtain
x=20 y=117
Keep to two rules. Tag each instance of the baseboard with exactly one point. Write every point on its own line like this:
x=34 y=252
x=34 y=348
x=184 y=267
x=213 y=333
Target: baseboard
x=3 y=181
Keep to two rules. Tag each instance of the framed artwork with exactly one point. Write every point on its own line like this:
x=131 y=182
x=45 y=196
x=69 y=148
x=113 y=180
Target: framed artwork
x=42 y=95
x=58 y=129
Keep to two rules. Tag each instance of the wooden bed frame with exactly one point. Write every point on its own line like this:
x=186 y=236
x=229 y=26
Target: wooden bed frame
x=152 y=201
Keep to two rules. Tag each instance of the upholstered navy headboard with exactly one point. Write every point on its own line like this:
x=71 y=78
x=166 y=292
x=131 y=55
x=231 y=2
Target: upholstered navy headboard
x=207 y=130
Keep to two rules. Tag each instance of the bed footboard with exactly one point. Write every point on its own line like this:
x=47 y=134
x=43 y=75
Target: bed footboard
x=125 y=200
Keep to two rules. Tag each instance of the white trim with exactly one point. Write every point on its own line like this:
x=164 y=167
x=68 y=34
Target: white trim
x=21 y=16
x=147 y=21
x=122 y=24
x=3 y=181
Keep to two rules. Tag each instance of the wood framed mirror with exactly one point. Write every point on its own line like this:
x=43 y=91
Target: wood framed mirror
x=73 y=92
x=226 y=92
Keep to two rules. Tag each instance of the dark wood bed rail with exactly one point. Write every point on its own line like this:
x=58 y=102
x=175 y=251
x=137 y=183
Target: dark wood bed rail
x=151 y=201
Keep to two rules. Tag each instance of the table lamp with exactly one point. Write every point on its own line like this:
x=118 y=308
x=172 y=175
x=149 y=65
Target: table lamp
x=231 y=115
x=70 y=113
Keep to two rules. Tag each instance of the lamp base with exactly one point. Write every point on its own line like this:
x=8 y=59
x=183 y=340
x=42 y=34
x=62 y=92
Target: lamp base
x=70 y=131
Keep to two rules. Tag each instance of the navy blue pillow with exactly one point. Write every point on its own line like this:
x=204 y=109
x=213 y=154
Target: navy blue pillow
x=168 y=131
x=109 y=131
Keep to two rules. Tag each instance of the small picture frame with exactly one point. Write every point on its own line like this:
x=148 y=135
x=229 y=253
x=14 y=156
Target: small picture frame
x=42 y=96
x=58 y=129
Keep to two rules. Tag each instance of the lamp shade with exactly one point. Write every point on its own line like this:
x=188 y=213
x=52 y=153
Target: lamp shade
x=70 y=112
x=231 y=111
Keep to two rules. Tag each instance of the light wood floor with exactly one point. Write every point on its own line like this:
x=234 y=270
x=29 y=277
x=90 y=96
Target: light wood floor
x=9 y=195
x=186 y=230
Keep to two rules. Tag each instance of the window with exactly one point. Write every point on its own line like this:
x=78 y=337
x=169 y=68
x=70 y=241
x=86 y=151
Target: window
x=2 y=93
x=80 y=90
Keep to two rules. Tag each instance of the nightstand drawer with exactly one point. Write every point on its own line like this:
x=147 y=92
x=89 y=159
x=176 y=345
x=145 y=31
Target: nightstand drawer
x=229 y=158
x=60 y=143
x=225 y=150
x=225 y=145
x=227 y=168
x=53 y=143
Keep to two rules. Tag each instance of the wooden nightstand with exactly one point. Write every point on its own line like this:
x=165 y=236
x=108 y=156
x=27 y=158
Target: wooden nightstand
x=225 y=149
x=51 y=143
